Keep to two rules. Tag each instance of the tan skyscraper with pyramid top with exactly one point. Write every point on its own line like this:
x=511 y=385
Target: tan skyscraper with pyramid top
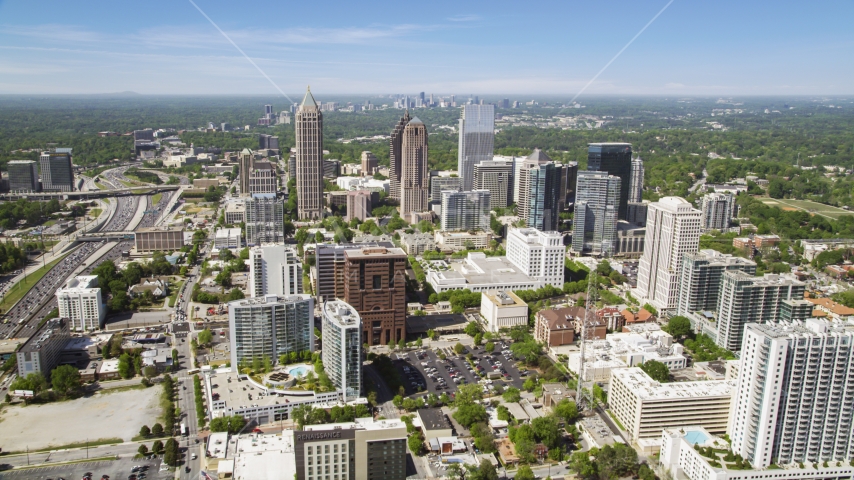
x=414 y=174
x=309 y=159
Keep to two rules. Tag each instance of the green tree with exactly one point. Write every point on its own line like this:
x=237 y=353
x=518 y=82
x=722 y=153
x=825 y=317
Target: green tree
x=583 y=465
x=649 y=308
x=65 y=380
x=679 y=327
x=205 y=337
x=511 y=394
x=567 y=410
x=489 y=347
x=656 y=370
x=478 y=339
x=546 y=430
x=157 y=430
x=484 y=471
x=416 y=444
x=459 y=348
x=142 y=450
x=469 y=414
x=472 y=329
x=524 y=473
x=170 y=454
x=157 y=447
x=126 y=368
x=144 y=431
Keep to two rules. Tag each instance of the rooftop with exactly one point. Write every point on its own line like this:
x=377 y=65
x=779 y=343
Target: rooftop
x=374 y=252
x=434 y=419
x=263 y=457
x=504 y=299
x=341 y=313
x=229 y=387
x=649 y=390
x=50 y=330
x=562 y=318
x=268 y=300
x=367 y=423
x=227 y=232
x=477 y=268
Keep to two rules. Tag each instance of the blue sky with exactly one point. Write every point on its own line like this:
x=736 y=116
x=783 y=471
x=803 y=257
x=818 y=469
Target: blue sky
x=718 y=47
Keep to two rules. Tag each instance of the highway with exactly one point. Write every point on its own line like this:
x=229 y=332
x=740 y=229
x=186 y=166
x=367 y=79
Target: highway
x=41 y=298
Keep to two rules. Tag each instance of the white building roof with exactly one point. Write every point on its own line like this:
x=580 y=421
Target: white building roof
x=648 y=389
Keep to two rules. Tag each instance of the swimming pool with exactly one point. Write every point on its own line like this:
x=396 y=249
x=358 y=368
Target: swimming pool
x=298 y=371
x=695 y=436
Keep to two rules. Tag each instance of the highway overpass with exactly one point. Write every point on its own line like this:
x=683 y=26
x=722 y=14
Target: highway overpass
x=119 y=192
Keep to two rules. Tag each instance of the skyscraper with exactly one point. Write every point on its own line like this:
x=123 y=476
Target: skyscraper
x=342 y=347
x=358 y=205
x=375 y=285
x=395 y=155
x=672 y=230
x=794 y=395
x=476 y=140
x=274 y=270
x=636 y=188
x=23 y=176
x=747 y=299
x=309 y=145
x=700 y=282
x=497 y=177
x=717 y=210
x=56 y=172
x=465 y=210
x=246 y=161
x=594 y=228
x=265 y=219
x=267 y=327
x=263 y=178
x=414 y=174
x=616 y=159
x=542 y=191
x=369 y=163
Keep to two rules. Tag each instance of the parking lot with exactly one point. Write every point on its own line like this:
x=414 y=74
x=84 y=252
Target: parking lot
x=424 y=371
x=116 y=470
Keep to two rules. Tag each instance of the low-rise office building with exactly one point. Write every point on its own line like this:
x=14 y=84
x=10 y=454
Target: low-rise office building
x=41 y=352
x=462 y=240
x=627 y=349
x=235 y=212
x=227 y=238
x=502 y=310
x=556 y=327
x=434 y=423
x=159 y=239
x=480 y=273
x=646 y=407
x=417 y=243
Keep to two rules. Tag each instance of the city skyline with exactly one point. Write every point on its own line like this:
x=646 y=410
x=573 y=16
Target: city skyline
x=689 y=49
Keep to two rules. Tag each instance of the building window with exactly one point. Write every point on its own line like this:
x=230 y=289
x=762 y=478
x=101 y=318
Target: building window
x=378 y=282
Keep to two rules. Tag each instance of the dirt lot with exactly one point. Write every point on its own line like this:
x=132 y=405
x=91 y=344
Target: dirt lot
x=110 y=415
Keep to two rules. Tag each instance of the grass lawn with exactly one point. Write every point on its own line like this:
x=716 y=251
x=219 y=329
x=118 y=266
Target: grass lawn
x=127 y=184
x=174 y=296
x=95 y=212
x=49 y=223
x=808 y=206
x=21 y=288
x=101 y=186
x=156 y=198
x=614 y=418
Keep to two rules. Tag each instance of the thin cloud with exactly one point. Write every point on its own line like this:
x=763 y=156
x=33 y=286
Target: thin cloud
x=464 y=18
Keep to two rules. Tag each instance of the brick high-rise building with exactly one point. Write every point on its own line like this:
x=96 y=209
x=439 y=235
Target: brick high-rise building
x=309 y=144
x=395 y=156
x=414 y=173
x=375 y=285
